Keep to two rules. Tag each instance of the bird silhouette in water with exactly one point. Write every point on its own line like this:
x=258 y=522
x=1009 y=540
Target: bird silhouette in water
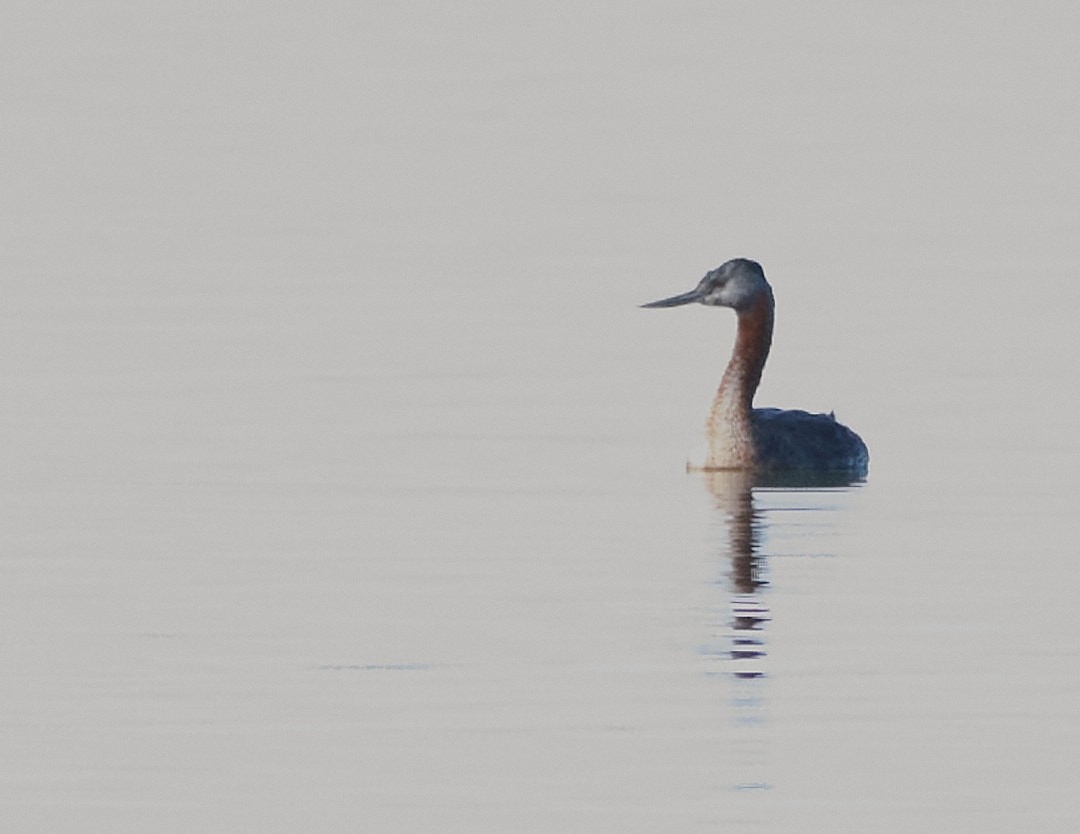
x=763 y=439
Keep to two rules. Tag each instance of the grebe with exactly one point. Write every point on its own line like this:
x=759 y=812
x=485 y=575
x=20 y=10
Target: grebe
x=743 y=437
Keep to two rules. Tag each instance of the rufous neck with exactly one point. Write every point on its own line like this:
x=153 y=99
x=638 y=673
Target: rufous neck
x=747 y=361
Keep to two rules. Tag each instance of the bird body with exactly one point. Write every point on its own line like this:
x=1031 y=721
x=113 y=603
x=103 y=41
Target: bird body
x=743 y=437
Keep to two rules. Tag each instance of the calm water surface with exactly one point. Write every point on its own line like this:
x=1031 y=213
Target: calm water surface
x=342 y=480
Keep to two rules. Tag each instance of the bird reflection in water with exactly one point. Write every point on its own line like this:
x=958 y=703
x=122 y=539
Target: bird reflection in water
x=743 y=649
x=733 y=492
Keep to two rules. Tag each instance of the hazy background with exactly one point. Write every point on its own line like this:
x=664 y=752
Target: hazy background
x=341 y=477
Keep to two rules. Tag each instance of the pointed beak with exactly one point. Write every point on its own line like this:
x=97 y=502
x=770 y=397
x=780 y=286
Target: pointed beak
x=676 y=300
